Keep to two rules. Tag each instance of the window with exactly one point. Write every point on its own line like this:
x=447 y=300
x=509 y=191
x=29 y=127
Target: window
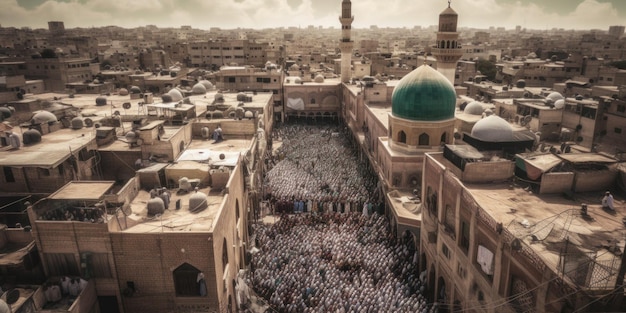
x=450 y=219
x=402 y=137
x=424 y=139
x=8 y=174
x=621 y=108
x=445 y=250
x=43 y=172
x=231 y=79
x=312 y=101
x=186 y=281
x=618 y=130
x=465 y=236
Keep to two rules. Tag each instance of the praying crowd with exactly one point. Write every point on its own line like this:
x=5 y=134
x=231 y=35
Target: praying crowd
x=339 y=254
x=82 y=214
x=333 y=262
x=316 y=169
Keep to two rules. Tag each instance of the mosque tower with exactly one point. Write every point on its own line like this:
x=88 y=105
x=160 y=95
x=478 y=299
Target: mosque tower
x=448 y=50
x=346 y=43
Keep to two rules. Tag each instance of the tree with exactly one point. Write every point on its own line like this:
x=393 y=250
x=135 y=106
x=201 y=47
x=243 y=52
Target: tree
x=48 y=53
x=486 y=68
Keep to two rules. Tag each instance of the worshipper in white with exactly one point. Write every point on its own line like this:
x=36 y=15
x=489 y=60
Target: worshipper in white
x=607 y=201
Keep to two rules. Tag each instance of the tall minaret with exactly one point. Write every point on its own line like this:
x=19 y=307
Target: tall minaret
x=448 y=50
x=346 y=43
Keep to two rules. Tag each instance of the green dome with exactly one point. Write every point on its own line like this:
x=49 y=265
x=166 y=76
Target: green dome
x=424 y=95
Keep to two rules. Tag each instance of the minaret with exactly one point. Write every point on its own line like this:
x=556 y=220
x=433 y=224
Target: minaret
x=346 y=43
x=447 y=51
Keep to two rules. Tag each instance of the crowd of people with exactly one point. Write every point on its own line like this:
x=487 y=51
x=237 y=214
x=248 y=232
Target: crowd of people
x=319 y=166
x=79 y=214
x=339 y=255
x=333 y=262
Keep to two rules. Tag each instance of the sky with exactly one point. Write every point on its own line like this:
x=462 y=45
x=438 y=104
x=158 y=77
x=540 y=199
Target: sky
x=227 y=14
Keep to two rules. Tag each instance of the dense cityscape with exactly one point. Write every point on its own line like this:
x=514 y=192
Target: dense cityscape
x=313 y=168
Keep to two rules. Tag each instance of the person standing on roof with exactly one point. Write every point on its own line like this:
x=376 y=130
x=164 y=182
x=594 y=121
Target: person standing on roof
x=607 y=201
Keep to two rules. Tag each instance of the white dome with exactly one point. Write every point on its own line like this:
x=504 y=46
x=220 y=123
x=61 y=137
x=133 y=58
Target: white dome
x=198 y=89
x=492 y=129
x=319 y=78
x=43 y=117
x=207 y=84
x=559 y=104
x=297 y=80
x=474 y=108
x=175 y=94
x=555 y=96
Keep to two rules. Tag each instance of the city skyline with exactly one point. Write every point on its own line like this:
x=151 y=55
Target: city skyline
x=531 y=14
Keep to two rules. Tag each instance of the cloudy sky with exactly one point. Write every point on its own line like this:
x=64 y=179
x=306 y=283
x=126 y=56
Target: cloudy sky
x=203 y=14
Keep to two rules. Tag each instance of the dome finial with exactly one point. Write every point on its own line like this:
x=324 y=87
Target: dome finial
x=449 y=3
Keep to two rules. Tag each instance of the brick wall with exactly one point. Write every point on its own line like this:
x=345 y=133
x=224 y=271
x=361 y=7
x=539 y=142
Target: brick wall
x=594 y=180
x=556 y=182
x=482 y=172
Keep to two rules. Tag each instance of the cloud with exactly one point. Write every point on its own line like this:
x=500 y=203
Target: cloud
x=578 y=14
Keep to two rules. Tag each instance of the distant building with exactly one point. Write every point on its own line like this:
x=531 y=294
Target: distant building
x=616 y=31
x=56 y=27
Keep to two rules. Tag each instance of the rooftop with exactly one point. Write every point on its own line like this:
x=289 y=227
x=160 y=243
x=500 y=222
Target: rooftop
x=83 y=190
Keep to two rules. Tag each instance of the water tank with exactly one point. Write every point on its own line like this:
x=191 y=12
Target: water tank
x=43 y=117
x=520 y=83
x=123 y=92
x=5 y=113
x=101 y=100
x=241 y=96
x=31 y=136
x=206 y=134
x=166 y=98
x=14 y=141
x=135 y=90
x=198 y=202
x=249 y=115
x=155 y=206
x=77 y=123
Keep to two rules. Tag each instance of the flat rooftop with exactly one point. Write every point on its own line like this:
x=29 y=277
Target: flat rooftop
x=550 y=218
x=172 y=220
x=83 y=190
x=53 y=149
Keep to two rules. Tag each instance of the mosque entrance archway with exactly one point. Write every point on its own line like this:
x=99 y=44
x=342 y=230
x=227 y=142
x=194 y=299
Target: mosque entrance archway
x=442 y=295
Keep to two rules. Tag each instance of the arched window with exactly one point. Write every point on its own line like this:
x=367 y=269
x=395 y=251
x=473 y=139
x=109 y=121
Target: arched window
x=442 y=44
x=186 y=281
x=444 y=137
x=402 y=137
x=424 y=139
x=448 y=44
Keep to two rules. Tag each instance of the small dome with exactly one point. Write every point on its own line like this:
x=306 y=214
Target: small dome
x=198 y=202
x=198 y=89
x=559 y=104
x=555 y=96
x=493 y=129
x=43 y=117
x=424 y=95
x=5 y=113
x=101 y=100
x=155 y=206
x=474 y=108
x=77 y=123
x=248 y=114
x=123 y=92
x=207 y=84
x=319 y=78
x=131 y=136
x=241 y=96
x=219 y=96
x=294 y=67
x=31 y=136
x=297 y=80
x=176 y=95
x=135 y=90
x=166 y=98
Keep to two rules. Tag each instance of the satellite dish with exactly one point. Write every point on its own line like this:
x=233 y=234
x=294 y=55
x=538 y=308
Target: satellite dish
x=116 y=113
x=139 y=141
x=126 y=105
x=11 y=296
x=88 y=122
x=97 y=125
